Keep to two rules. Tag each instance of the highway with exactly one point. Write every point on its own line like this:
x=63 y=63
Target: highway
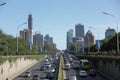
x=36 y=70
x=42 y=73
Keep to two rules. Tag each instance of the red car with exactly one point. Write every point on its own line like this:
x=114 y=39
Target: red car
x=92 y=72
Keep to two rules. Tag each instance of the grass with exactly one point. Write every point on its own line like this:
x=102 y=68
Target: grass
x=37 y=57
x=10 y=59
x=60 y=74
x=14 y=58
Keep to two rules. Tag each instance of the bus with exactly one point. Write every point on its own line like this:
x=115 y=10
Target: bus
x=85 y=64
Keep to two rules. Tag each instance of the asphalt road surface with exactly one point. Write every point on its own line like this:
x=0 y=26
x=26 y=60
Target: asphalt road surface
x=36 y=70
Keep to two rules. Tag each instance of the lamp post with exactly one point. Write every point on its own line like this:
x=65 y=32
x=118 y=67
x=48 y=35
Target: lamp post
x=3 y=4
x=17 y=34
x=117 y=29
x=88 y=43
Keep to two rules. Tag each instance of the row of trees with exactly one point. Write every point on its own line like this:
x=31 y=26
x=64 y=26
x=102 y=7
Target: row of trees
x=8 y=46
x=108 y=44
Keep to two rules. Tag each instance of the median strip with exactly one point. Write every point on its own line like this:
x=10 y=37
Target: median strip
x=60 y=74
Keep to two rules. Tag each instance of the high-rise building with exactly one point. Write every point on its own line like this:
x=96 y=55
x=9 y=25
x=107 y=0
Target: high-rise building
x=79 y=43
x=30 y=21
x=48 y=39
x=89 y=38
x=24 y=34
x=79 y=30
x=48 y=42
x=30 y=28
x=109 y=32
x=69 y=38
x=38 y=40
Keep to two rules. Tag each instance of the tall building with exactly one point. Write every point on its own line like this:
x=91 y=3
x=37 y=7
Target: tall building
x=30 y=21
x=48 y=43
x=69 y=38
x=79 y=30
x=79 y=43
x=38 y=40
x=48 y=39
x=24 y=34
x=109 y=32
x=30 y=28
x=89 y=38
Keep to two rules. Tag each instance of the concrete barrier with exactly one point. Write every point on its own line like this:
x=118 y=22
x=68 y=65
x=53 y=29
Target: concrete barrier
x=12 y=69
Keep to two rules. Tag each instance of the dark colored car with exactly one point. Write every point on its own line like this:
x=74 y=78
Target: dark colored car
x=92 y=72
x=49 y=75
x=42 y=68
x=36 y=77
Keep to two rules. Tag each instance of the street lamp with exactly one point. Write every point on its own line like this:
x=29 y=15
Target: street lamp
x=17 y=34
x=117 y=29
x=3 y=4
x=88 y=43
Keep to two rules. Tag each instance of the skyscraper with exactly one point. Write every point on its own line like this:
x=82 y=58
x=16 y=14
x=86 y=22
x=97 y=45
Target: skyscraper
x=30 y=21
x=89 y=38
x=30 y=28
x=69 y=38
x=38 y=40
x=48 y=39
x=24 y=34
x=79 y=30
x=109 y=32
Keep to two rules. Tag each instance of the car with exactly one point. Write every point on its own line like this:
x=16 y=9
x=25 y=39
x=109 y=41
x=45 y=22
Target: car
x=47 y=64
x=55 y=62
x=46 y=60
x=49 y=75
x=83 y=73
x=57 y=57
x=27 y=74
x=52 y=69
x=66 y=66
x=54 y=66
x=42 y=68
x=92 y=72
x=36 y=77
x=50 y=59
x=72 y=77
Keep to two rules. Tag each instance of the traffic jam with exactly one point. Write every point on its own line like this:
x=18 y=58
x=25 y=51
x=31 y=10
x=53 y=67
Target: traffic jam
x=73 y=69
x=78 y=69
x=47 y=69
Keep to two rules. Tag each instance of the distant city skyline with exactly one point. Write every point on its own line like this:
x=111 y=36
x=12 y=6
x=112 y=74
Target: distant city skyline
x=57 y=17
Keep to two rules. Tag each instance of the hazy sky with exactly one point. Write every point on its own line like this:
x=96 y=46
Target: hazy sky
x=56 y=17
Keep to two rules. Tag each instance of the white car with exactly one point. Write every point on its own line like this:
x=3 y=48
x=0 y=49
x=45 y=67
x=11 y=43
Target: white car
x=46 y=60
x=52 y=69
x=83 y=73
x=66 y=66
x=72 y=77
